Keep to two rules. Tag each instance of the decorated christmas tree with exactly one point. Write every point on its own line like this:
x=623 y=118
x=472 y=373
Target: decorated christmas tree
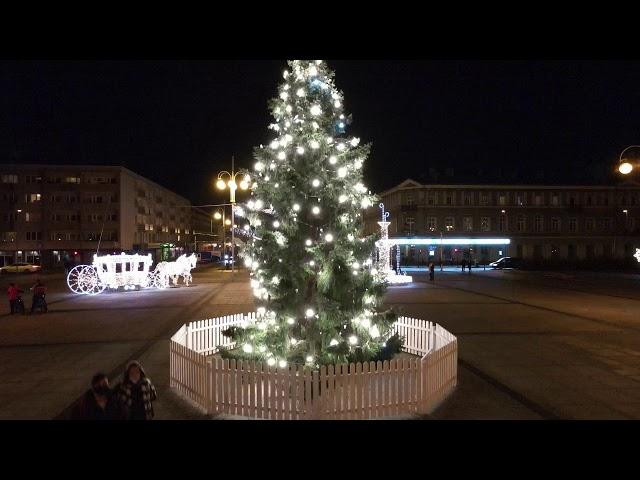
x=313 y=272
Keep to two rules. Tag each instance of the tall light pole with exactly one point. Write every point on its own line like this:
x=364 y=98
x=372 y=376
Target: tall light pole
x=433 y=230
x=19 y=211
x=221 y=216
x=228 y=180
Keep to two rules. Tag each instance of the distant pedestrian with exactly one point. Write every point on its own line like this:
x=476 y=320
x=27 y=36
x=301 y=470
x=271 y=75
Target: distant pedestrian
x=136 y=393
x=469 y=266
x=39 y=297
x=14 y=293
x=67 y=264
x=99 y=402
x=464 y=264
x=431 y=271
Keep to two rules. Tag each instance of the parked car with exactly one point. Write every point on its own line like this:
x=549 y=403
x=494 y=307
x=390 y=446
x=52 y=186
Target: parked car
x=506 y=262
x=21 y=268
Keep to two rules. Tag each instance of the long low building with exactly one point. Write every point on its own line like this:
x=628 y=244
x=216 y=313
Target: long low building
x=540 y=222
x=50 y=211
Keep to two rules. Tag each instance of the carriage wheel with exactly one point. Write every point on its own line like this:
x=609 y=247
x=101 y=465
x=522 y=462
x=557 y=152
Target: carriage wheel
x=90 y=281
x=74 y=279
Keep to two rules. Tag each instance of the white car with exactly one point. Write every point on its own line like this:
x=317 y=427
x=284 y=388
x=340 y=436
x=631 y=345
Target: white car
x=21 y=268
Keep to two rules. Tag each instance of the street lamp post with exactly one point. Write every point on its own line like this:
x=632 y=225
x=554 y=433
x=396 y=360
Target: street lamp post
x=432 y=230
x=19 y=211
x=233 y=186
x=219 y=216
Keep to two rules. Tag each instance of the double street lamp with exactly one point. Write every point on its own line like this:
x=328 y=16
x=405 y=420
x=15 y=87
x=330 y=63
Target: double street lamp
x=228 y=180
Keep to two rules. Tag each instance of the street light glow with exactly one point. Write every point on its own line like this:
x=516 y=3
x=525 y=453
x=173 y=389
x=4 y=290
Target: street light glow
x=221 y=184
x=217 y=216
x=625 y=168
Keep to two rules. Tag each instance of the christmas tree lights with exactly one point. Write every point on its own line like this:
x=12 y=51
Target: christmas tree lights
x=319 y=298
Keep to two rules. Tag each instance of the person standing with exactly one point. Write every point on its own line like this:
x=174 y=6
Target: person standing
x=136 y=393
x=469 y=266
x=13 y=292
x=67 y=264
x=99 y=402
x=464 y=264
x=431 y=271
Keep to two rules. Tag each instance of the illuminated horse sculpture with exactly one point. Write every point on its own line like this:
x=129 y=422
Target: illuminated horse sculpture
x=168 y=272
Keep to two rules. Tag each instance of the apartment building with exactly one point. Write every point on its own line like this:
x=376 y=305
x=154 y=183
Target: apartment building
x=541 y=222
x=49 y=211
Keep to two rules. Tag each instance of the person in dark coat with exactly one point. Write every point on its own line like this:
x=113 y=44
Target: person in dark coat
x=99 y=402
x=67 y=264
x=464 y=264
x=136 y=393
x=431 y=271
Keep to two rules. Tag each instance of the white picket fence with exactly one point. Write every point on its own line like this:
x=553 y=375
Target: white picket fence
x=346 y=391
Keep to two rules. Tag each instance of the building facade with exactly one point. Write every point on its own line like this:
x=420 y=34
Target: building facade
x=49 y=211
x=543 y=223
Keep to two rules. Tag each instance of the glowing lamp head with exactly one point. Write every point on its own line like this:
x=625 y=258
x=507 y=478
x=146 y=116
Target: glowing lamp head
x=315 y=182
x=296 y=207
x=625 y=168
x=232 y=185
x=353 y=340
x=217 y=216
x=244 y=185
x=328 y=237
x=315 y=210
x=227 y=222
x=309 y=313
x=221 y=184
x=308 y=242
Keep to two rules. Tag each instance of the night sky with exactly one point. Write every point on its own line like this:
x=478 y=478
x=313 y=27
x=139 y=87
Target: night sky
x=179 y=122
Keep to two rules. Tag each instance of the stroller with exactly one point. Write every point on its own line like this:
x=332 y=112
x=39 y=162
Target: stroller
x=39 y=302
x=39 y=298
x=19 y=305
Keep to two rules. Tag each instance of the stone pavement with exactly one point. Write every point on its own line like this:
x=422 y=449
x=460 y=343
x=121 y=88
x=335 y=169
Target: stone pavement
x=46 y=361
x=531 y=345
x=558 y=348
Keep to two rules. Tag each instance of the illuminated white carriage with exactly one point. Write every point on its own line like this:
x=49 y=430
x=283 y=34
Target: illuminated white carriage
x=130 y=272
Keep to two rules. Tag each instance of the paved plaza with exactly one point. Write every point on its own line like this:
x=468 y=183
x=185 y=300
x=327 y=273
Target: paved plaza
x=532 y=345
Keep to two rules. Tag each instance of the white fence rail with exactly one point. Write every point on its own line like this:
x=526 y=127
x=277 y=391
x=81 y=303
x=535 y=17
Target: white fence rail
x=346 y=391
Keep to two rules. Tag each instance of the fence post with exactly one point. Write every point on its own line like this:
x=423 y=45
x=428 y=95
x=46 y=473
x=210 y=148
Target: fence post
x=187 y=340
